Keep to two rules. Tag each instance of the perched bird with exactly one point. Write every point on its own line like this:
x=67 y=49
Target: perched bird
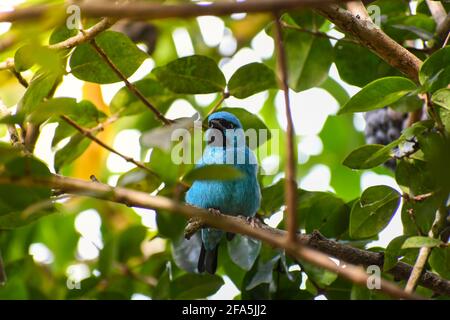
x=240 y=196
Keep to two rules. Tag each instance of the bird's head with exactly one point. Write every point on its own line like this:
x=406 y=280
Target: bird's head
x=224 y=128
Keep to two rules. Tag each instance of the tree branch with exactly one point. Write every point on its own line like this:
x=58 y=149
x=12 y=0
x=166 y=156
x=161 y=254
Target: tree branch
x=72 y=42
x=88 y=134
x=358 y=9
x=291 y=182
x=271 y=236
x=144 y=10
x=129 y=85
x=371 y=36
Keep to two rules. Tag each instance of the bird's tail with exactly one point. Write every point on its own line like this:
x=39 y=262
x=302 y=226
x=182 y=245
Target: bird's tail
x=207 y=260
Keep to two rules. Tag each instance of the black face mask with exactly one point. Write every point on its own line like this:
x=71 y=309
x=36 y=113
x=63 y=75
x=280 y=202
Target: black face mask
x=222 y=125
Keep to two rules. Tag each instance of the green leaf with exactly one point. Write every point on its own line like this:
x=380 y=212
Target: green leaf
x=435 y=71
x=272 y=197
x=51 y=108
x=129 y=242
x=440 y=261
x=86 y=63
x=410 y=27
x=309 y=58
x=161 y=162
x=250 y=79
x=244 y=251
x=414 y=177
x=192 y=75
x=125 y=103
x=170 y=225
x=213 y=172
x=16 y=201
x=359 y=66
x=307 y=18
x=323 y=211
x=7 y=152
x=31 y=54
x=264 y=273
x=41 y=87
x=322 y=277
x=378 y=94
x=408 y=103
x=195 y=286
x=373 y=211
x=419 y=242
x=186 y=252
x=71 y=151
x=139 y=179
x=367 y=156
x=393 y=252
x=107 y=257
x=61 y=33
x=442 y=98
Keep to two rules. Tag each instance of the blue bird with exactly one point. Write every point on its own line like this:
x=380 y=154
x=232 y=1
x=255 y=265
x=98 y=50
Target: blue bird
x=241 y=196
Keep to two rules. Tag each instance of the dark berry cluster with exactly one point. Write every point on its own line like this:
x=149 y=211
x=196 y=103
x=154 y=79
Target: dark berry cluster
x=384 y=126
x=141 y=32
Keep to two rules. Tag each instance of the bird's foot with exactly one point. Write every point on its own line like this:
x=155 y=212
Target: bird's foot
x=194 y=224
x=254 y=222
x=214 y=211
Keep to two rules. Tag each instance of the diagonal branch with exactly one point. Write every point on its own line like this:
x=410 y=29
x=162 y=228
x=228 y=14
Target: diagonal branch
x=72 y=42
x=315 y=33
x=129 y=85
x=291 y=183
x=371 y=36
x=88 y=134
x=234 y=224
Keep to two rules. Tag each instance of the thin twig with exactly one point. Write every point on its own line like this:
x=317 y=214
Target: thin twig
x=320 y=34
x=224 y=96
x=2 y=271
x=14 y=136
x=446 y=39
x=291 y=183
x=87 y=133
x=424 y=252
x=129 y=85
x=271 y=236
